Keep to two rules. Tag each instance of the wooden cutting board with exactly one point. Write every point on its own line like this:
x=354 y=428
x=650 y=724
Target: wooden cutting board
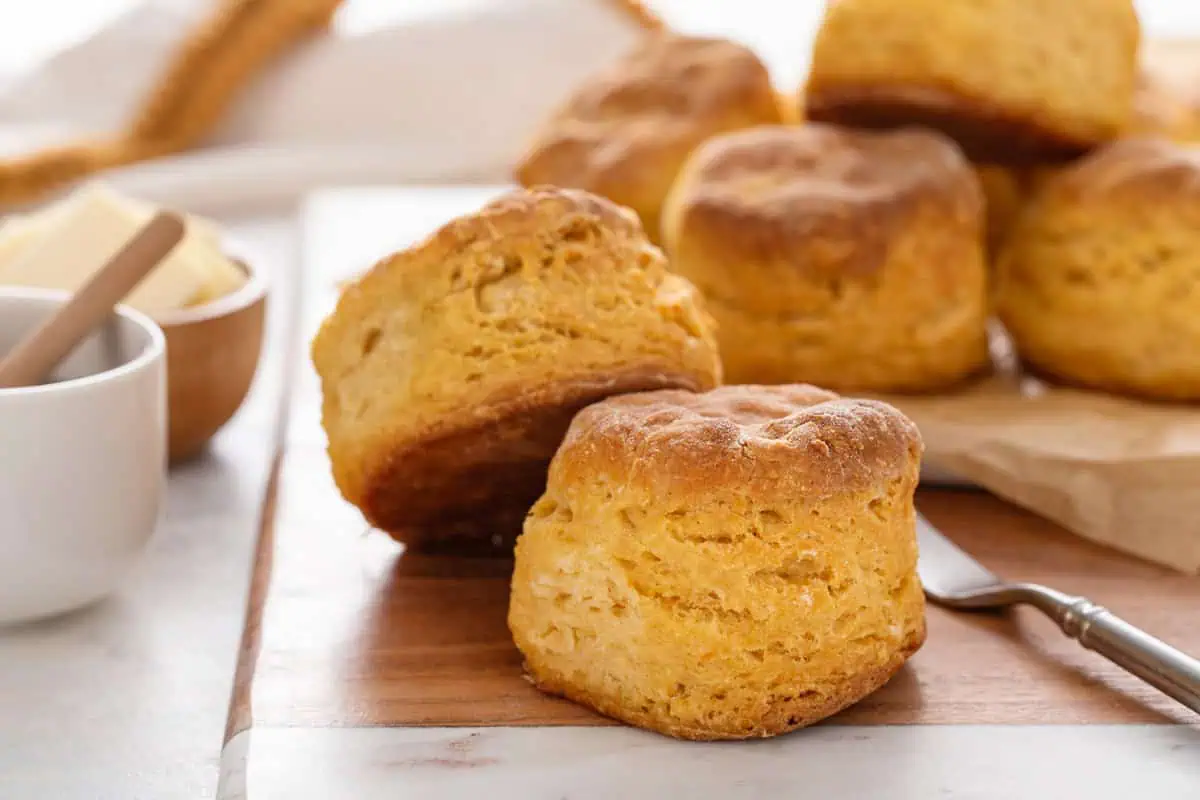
x=344 y=629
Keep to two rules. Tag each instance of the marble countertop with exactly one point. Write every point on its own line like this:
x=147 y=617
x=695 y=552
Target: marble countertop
x=127 y=699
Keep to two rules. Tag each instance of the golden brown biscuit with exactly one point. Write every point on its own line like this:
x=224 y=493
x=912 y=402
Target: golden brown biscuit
x=1012 y=80
x=727 y=565
x=1098 y=282
x=847 y=259
x=451 y=370
x=626 y=132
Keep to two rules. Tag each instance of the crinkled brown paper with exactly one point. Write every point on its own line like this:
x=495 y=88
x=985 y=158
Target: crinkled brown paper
x=1121 y=472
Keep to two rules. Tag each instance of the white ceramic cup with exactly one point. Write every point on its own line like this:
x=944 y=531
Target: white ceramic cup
x=82 y=461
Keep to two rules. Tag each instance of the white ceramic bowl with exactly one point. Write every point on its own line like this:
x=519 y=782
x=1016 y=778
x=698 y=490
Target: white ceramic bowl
x=82 y=462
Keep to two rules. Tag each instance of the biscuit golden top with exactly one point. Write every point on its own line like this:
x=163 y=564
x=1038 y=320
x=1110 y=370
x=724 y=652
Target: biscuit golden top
x=783 y=191
x=1129 y=171
x=773 y=440
x=527 y=231
x=662 y=98
x=527 y=214
x=672 y=75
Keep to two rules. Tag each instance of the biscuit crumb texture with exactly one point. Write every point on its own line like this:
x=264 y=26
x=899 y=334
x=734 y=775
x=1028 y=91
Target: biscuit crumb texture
x=1099 y=282
x=728 y=565
x=451 y=370
x=847 y=259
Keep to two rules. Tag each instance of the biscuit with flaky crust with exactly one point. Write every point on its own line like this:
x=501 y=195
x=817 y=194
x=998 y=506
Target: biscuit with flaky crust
x=1013 y=81
x=1099 y=282
x=726 y=565
x=451 y=370
x=625 y=133
x=847 y=259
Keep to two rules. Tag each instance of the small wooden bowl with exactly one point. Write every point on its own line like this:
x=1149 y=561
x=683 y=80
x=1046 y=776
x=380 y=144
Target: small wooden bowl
x=212 y=355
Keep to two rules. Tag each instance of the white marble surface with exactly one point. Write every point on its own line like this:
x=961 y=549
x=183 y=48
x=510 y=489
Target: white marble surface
x=976 y=762
x=127 y=699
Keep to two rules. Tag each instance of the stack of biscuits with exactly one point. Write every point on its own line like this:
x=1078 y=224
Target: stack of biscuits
x=630 y=367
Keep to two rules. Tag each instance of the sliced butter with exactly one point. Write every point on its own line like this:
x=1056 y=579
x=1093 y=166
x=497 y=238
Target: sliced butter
x=202 y=243
x=16 y=235
x=62 y=246
x=226 y=278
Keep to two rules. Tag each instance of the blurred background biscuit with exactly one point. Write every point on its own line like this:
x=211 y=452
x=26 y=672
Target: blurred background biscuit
x=1099 y=282
x=625 y=133
x=1013 y=81
x=848 y=259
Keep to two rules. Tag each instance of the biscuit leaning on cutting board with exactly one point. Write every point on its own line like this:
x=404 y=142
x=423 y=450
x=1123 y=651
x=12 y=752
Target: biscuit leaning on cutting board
x=451 y=370
x=625 y=133
x=848 y=259
x=1013 y=81
x=1099 y=282
x=724 y=565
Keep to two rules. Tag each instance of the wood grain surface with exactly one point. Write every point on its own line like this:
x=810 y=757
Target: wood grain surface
x=345 y=629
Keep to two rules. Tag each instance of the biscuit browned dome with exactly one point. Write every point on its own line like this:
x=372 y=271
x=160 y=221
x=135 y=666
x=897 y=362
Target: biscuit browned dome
x=1099 y=282
x=847 y=259
x=1012 y=80
x=726 y=565
x=451 y=370
x=625 y=133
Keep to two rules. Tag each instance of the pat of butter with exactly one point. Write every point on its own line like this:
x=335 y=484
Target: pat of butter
x=61 y=247
x=16 y=235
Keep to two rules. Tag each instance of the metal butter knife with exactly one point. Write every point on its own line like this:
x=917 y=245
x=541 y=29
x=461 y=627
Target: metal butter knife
x=954 y=579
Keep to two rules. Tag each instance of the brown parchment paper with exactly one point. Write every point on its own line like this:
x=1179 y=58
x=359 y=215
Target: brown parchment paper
x=1121 y=472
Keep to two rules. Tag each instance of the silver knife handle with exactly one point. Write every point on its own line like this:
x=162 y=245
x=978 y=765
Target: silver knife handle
x=1153 y=660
